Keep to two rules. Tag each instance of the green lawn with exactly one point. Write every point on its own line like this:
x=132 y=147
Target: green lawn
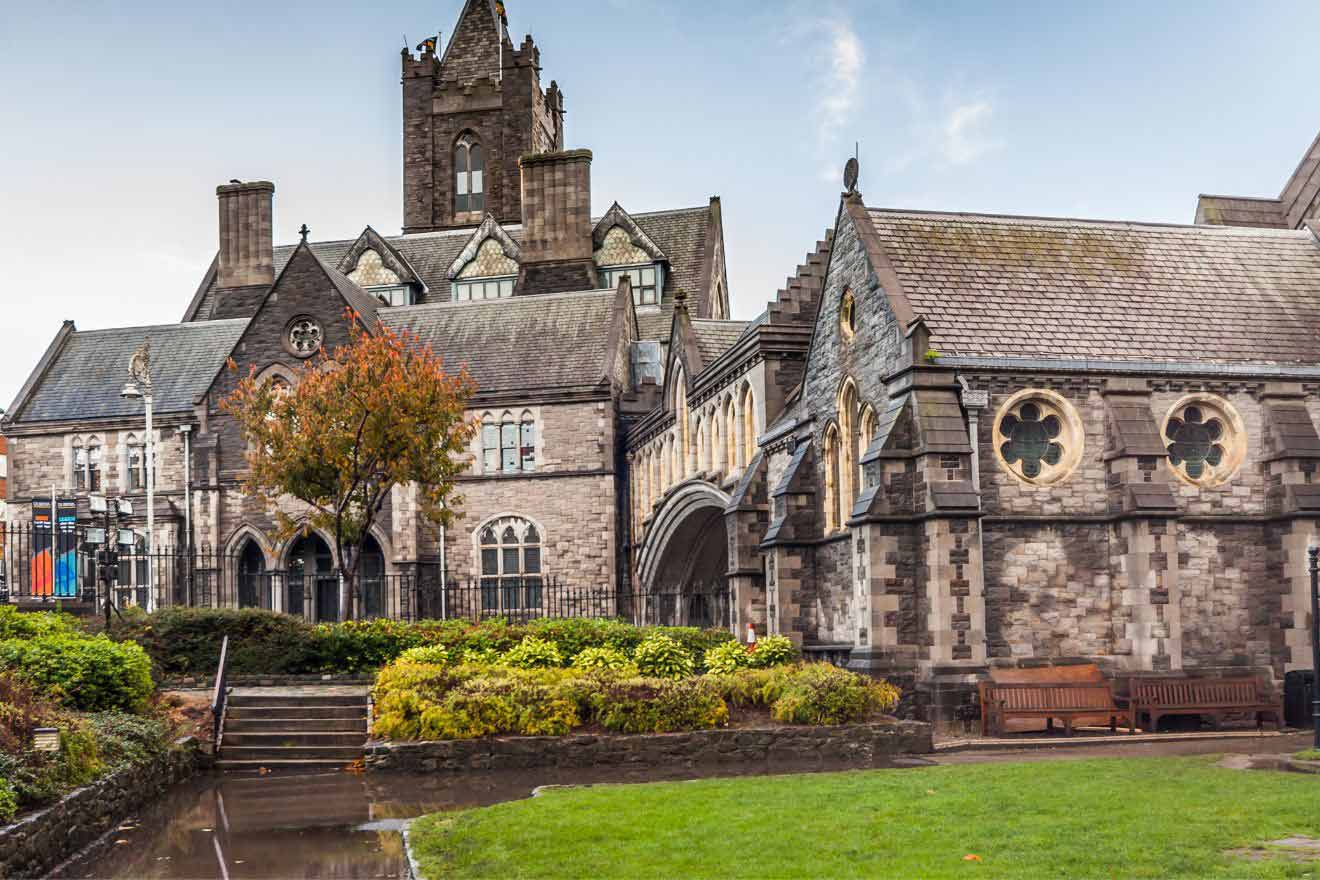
x=1161 y=817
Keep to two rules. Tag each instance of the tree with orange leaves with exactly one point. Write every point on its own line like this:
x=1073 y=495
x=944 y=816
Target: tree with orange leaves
x=377 y=413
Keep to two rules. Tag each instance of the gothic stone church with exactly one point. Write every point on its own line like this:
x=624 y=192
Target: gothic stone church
x=948 y=440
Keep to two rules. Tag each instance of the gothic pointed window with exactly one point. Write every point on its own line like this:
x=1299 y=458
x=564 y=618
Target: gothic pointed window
x=527 y=443
x=94 y=467
x=849 y=441
x=469 y=176
x=135 y=457
x=508 y=444
x=1205 y=439
x=1038 y=436
x=511 y=567
x=831 y=479
x=490 y=445
x=749 y=424
x=79 y=466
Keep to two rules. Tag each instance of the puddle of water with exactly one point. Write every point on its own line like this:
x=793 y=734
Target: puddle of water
x=338 y=825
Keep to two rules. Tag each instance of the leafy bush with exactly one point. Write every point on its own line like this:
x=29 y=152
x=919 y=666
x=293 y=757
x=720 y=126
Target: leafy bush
x=481 y=656
x=773 y=651
x=605 y=658
x=15 y=624
x=91 y=674
x=8 y=801
x=436 y=654
x=661 y=656
x=818 y=693
x=659 y=705
x=727 y=657
x=533 y=653
x=123 y=740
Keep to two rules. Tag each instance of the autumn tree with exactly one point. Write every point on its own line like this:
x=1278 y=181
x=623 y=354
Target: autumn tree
x=376 y=413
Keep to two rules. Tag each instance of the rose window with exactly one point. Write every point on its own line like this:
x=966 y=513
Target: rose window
x=1194 y=441
x=1032 y=439
x=1038 y=436
x=1205 y=439
x=305 y=336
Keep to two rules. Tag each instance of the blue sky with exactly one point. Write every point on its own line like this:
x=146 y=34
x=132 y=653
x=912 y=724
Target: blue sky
x=119 y=119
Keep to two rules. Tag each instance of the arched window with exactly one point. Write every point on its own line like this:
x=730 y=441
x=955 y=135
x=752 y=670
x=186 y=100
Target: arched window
x=527 y=442
x=508 y=446
x=79 y=465
x=469 y=174
x=684 y=451
x=703 y=464
x=831 y=479
x=749 y=425
x=511 y=572
x=490 y=444
x=731 y=435
x=864 y=438
x=93 y=466
x=135 y=455
x=663 y=450
x=253 y=585
x=717 y=440
x=848 y=440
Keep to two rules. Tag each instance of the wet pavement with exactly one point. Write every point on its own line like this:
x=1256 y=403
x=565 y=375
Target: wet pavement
x=328 y=825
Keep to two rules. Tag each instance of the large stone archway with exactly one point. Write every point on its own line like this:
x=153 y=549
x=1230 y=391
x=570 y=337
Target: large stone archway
x=685 y=556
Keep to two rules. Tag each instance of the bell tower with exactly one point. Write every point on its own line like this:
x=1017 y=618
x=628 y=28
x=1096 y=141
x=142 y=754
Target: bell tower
x=470 y=112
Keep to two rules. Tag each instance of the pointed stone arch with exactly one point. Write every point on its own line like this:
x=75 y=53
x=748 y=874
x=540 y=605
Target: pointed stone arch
x=693 y=508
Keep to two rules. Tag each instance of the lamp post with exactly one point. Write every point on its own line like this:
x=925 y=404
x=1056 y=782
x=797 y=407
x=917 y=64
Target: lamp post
x=1314 y=552
x=138 y=387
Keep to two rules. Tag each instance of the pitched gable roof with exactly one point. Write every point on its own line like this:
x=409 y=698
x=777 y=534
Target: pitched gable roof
x=489 y=228
x=617 y=216
x=390 y=257
x=551 y=341
x=84 y=377
x=1040 y=287
x=473 y=51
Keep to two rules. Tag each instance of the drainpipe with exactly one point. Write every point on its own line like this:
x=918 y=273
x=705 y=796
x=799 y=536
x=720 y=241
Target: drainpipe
x=974 y=402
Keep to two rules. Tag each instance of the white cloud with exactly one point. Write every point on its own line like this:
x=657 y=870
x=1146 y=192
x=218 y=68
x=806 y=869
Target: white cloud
x=963 y=136
x=837 y=95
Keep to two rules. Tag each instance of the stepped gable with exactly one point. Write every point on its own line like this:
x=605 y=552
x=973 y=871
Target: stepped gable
x=797 y=301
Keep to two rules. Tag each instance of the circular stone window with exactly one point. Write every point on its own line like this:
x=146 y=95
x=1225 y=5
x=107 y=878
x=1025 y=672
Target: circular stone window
x=1205 y=438
x=848 y=315
x=304 y=337
x=1038 y=436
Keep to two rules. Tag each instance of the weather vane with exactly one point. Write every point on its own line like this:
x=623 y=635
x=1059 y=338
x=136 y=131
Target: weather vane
x=850 y=172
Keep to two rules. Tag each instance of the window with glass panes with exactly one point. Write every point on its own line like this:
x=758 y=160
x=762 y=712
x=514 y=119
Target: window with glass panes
x=395 y=295
x=485 y=288
x=508 y=446
x=644 y=281
x=87 y=467
x=469 y=168
x=511 y=575
x=136 y=457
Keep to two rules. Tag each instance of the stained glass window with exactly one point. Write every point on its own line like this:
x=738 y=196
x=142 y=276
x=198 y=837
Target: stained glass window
x=1030 y=439
x=1194 y=441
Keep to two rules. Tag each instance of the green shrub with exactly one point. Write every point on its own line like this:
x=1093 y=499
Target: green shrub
x=643 y=705
x=8 y=801
x=605 y=658
x=661 y=656
x=727 y=657
x=434 y=654
x=15 y=624
x=773 y=651
x=533 y=653
x=818 y=693
x=481 y=656
x=91 y=674
x=123 y=740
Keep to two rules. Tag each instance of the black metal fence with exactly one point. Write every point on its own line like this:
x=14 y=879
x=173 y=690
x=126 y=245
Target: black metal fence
x=73 y=566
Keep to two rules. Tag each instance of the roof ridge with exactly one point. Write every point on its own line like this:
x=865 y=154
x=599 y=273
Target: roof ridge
x=456 y=304
x=211 y=322
x=971 y=216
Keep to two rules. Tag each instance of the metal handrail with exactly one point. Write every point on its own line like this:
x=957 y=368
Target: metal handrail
x=220 y=695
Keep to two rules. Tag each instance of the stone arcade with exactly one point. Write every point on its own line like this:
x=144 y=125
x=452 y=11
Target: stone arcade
x=949 y=440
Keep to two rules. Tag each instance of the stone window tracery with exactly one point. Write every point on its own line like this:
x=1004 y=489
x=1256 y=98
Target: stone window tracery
x=849 y=439
x=511 y=565
x=305 y=337
x=1038 y=436
x=469 y=171
x=509 y=445
x=1205 y=439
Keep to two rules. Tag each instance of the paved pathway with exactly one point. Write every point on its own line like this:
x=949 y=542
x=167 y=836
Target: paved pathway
x=1251 y=744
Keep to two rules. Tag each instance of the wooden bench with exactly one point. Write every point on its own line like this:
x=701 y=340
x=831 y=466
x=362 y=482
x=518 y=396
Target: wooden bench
x=1066 y=702
x=1216 y=697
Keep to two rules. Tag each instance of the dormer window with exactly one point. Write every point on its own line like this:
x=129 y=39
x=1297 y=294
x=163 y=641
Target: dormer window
x=646 y=282
x=393 y=295
x=469 y=168
x=483 y=288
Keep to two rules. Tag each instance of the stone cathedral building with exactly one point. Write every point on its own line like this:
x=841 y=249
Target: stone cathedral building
x=949 y=440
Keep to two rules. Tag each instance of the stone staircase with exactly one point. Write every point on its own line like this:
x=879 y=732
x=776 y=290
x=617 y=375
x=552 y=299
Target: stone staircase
x=296 y=728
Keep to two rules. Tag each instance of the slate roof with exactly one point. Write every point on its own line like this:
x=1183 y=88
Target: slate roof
x=680 y=233
x=554 y=340
x=86 y=375
x=1027 y=287
x=715 y=337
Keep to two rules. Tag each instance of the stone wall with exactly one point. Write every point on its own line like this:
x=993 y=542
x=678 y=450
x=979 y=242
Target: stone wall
x=863 y=745
x=37 y=843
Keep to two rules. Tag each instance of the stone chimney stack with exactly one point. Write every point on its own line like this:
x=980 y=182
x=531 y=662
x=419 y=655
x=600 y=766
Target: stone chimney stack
x=556 y=209
x=247 y=245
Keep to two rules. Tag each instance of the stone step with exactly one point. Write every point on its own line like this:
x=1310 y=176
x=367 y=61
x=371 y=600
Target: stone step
x=281 y=753
x=248 y=764
x=246 y=700
x=283 y=739
x=288 y=710
x=307 y=725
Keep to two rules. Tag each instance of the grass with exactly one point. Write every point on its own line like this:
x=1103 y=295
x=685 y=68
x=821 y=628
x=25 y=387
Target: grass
x=1160 y=817
x=1308 y=755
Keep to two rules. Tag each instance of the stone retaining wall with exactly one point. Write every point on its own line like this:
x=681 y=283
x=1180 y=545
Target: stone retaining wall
x=861 y=745
x=38 y=842
x=190 y=682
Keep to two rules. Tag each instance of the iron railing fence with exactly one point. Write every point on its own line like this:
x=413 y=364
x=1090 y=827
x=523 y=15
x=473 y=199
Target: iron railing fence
x=45 y=566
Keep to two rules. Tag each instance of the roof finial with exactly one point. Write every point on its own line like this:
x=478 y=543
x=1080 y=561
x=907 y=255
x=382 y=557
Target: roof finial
x=304 y=232
x=850 y=173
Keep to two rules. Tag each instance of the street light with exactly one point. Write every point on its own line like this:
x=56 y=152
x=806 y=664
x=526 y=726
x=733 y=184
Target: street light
x=1314 y=552
x=138 y=387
